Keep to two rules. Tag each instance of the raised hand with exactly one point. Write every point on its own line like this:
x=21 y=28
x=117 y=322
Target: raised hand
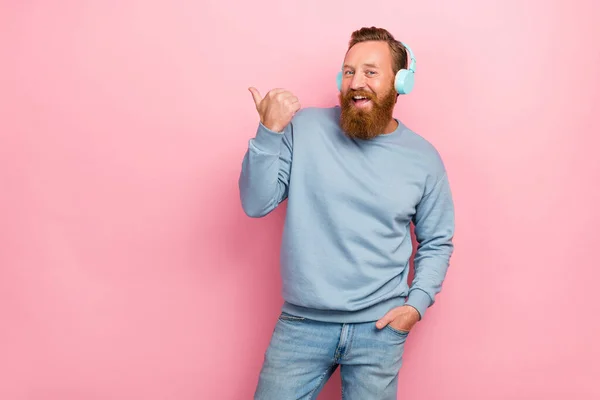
x=276 y=109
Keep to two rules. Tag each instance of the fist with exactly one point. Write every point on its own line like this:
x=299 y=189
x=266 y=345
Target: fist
x=276 y=109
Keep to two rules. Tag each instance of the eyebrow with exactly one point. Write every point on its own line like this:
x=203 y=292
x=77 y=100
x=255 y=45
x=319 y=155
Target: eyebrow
x=368 y=65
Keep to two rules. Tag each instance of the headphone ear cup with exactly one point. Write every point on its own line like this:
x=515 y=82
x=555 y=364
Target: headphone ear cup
x=405 y=81
x=339 y=81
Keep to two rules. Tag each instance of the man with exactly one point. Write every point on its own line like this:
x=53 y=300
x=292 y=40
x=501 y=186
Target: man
x=355 y=178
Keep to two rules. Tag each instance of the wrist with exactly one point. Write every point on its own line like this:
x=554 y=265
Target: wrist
x=419 y=300
x=414 y=312
x=273 y=126
x=267 y=141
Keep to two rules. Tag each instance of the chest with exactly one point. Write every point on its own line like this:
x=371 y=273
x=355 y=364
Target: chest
x=382 y=179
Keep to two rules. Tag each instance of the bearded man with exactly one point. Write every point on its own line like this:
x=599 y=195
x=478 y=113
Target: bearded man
x=355 y=179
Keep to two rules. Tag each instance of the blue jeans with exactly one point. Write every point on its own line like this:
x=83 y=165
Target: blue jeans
x=303 y=354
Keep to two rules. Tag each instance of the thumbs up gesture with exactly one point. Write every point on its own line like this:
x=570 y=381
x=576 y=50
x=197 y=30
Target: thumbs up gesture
x=276 y=109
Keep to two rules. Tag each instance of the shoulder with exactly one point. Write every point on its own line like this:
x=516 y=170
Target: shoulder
x=314 y=123
x=425 y=150
x=317 y=115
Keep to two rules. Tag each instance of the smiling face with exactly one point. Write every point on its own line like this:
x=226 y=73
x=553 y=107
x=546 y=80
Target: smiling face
x=368 y=95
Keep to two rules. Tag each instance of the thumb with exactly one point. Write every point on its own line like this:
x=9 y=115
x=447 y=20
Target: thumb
x=386 y=319
x=255 y=95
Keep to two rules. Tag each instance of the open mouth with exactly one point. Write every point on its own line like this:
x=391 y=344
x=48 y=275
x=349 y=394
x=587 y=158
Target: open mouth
x=360 y=101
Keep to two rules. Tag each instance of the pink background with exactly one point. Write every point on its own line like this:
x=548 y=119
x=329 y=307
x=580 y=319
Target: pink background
x=127 y=267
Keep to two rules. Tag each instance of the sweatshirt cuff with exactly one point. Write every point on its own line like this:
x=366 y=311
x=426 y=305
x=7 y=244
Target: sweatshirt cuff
x=419 y=300
x=267 y=140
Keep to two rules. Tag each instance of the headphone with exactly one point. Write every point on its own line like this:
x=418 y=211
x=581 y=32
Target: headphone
x=405 y=78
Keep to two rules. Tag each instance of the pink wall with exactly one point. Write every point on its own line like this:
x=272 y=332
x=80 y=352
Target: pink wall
x=127 y=267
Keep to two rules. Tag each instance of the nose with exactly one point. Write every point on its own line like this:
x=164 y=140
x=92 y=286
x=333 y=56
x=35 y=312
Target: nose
x=357 y=82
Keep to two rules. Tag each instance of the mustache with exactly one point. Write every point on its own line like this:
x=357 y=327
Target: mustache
x=351 y=93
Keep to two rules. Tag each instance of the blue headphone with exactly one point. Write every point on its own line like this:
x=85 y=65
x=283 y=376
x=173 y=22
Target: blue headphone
x=405 y=78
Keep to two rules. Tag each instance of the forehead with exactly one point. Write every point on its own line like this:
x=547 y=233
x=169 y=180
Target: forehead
x=373 y=53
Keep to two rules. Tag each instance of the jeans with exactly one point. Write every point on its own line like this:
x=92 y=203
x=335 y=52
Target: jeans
x=303 y=354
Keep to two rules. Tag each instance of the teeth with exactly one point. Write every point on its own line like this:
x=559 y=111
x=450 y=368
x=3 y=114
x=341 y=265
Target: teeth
x=359 y=97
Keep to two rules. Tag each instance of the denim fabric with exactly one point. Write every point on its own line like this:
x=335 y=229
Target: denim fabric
x=304 y=353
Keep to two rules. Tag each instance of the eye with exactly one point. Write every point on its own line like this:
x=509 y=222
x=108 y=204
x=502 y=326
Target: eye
x=370 y=72
x=348 y=72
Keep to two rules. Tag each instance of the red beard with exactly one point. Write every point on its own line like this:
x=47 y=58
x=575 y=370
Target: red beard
x=363 y=124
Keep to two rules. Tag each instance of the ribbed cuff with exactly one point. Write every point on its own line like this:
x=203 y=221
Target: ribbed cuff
x=267 y=140
x=420 y=300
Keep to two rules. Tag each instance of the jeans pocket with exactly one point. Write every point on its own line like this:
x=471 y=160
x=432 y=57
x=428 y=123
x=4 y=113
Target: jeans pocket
x=397 y=331
x=289 y=317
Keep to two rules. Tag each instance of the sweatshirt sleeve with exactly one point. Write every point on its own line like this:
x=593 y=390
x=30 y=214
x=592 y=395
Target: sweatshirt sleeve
x=434 y=231
x=265 y=174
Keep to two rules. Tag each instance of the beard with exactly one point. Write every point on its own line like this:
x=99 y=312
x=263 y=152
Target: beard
x=366 y=124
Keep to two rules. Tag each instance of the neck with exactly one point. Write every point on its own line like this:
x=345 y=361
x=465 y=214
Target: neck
x=390 y=127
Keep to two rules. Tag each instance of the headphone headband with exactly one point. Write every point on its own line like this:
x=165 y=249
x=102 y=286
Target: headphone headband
x=413 y=62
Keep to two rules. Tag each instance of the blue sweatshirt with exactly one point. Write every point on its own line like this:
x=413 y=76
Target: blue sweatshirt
x=350 y=203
